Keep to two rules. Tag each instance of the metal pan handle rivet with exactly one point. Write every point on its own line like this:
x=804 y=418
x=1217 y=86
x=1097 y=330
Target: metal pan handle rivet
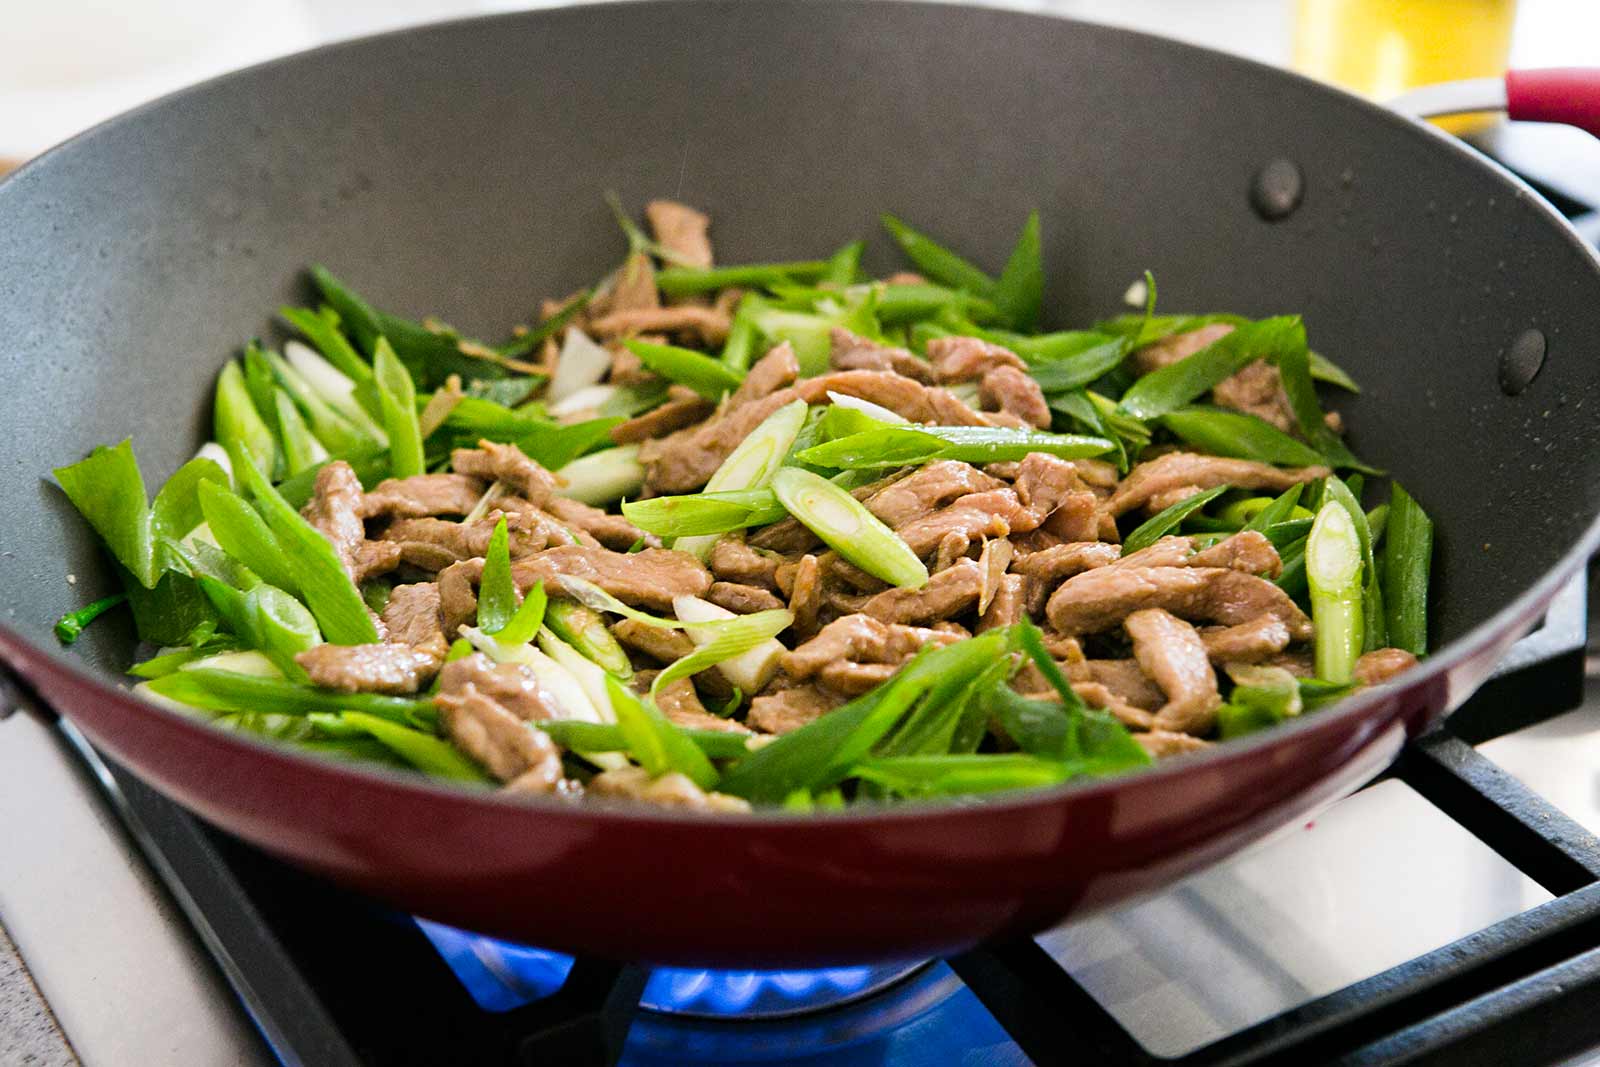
x=1277 y=189
x=1521 y=361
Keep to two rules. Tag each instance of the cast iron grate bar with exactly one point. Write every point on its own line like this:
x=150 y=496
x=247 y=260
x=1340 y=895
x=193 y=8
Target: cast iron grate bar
x=1527 y=830
x=1054 y=1020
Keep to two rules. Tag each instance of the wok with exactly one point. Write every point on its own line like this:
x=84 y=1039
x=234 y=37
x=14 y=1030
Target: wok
x=457 y=169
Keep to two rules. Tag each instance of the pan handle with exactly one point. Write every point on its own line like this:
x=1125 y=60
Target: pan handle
x=1566 y=95
x=15 y=690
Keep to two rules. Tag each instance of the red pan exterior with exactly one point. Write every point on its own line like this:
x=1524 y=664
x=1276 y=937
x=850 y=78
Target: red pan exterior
x=152 y=245
x=761 y=891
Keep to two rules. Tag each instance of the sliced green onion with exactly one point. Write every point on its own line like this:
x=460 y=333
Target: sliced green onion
x=397 y=394
x=894 y=446
x=937 y=262
x=685 y=281
x=1177 y=384
x=242 y=533
x=224 y=690
x=70 y=626
x=1244 y=436
x=602 y=477
x=843 y=264
x=426 y=753
x=1407 y=560
x=108 y=490
x=658 y=745
x=584 y=629
x=527 y=619
x=497 y=592
x=1375 y=628
x=967 y=773
x=320 y=577
x=569 y=693
x=590 y=737
x=1168 y=519
x=322 y=330
x=698 y=514
x=1020 y=290
x=1333 y=571
x=338 y=389
x=848 y=527
x=300 y=449
x=744 y=651
x=750 y=466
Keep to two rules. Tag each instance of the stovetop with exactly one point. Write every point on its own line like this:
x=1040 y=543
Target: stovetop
x=1447 y=913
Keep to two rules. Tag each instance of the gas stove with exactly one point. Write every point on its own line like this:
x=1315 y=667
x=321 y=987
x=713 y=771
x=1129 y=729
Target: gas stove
x=1447 y=913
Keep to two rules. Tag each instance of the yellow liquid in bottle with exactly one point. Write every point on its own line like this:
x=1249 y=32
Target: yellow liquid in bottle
x=1380 y=49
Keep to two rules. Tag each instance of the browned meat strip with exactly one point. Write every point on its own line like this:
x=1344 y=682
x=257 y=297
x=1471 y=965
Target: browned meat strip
x=786 y=710
x=849 y=352
x=1096 y=695
x=1082 y=517
x=1246 y=551
x=965 y=359
x=1382 y=664
x=670 y=790
x=657 y=642
x=335 y=511
x=1163 y=743
x=1014 y=392
x=511 y=685
x=859 y=639
x=995 y=559
x=734 y=561
x=1257 y=390
x=423 y=495
x=952 y=546
x=633 y=290
x=612 y=531
x=1126 y=680
x=1043 y=482
x=683 y=407
x=411 y=616
x=1172 y=654
x=526 y=760
x=931 y=486
x=805 y=596
x=681 y=230
x=1178 y=346
x=1006 y=607
x=684 y=461
x=1183 y=469
x=742 y=599
x=648 y=579
x=434 y=544
x=974 y=516
x=1098 y=599
x=1296 y=661
x=386 y=668
x=707 y=325
x=903 y=396
x=1169 y=551
x=1247 y=642
x=507 y=464
x=853 y=679
x=1051 y=565
x=948 y=593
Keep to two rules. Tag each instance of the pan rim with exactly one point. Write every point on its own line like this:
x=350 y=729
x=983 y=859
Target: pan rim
x=1516 y=611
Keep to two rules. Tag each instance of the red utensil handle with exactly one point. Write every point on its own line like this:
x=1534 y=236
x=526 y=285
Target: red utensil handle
x=1568 y=95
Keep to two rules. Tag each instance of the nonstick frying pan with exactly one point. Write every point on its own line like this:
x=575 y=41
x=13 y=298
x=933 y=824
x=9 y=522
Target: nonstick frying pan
x=457 y=169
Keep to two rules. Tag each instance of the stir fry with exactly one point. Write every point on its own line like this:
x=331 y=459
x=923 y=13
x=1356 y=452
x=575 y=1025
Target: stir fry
x=769 y=534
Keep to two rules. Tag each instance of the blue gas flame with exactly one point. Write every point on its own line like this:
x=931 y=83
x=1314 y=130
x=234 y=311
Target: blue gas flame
x=501 y=975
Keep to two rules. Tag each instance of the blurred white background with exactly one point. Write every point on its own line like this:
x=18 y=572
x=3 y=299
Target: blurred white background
x=67 y=64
